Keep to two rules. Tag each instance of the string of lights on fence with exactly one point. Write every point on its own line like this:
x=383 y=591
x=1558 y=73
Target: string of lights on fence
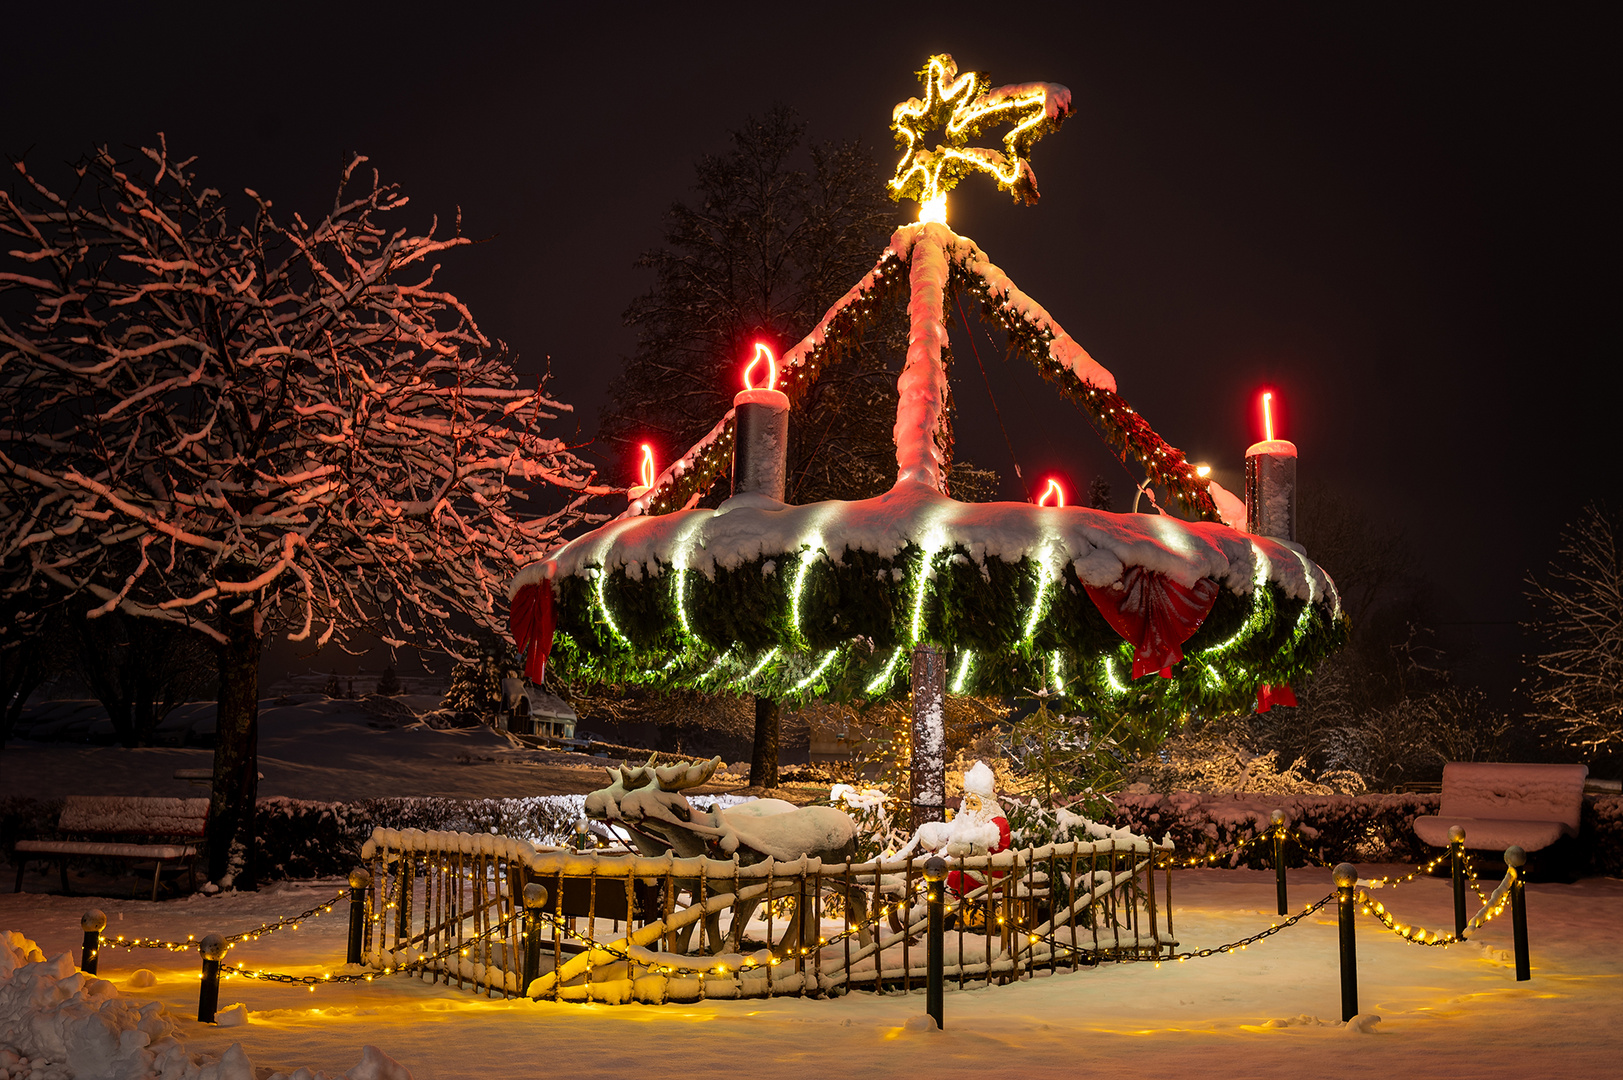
x=232 y=939
x=313 y=981
x=1492 y=907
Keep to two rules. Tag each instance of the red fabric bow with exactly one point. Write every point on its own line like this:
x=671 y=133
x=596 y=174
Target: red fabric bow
x=1155 y=614
x=530 y=620
x=1269 y=696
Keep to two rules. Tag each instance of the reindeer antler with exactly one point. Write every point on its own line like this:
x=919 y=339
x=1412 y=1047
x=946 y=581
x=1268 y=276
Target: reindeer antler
x=686 y=774
x=632 y=779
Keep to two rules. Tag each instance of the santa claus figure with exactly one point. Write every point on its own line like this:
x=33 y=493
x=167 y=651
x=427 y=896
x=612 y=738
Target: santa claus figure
x=979 y=828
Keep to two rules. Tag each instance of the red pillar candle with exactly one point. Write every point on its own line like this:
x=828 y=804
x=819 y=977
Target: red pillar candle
x=1270 y=482
x=761 y=445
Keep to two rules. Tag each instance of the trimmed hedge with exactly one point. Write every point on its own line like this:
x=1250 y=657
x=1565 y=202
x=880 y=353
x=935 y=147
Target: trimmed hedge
x=302 y=839
x=1337 y=828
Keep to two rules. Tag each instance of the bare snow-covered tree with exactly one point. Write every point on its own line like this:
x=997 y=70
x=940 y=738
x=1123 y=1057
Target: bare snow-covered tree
x=249 y=423
x=1577 y=677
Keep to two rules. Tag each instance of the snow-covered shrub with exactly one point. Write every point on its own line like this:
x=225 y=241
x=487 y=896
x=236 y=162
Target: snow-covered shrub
x=1600 y=840
x=303 y=839
x=1217 y=759
x=1335 y=828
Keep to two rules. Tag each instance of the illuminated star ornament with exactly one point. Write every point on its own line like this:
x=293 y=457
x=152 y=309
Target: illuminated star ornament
x=960 y=107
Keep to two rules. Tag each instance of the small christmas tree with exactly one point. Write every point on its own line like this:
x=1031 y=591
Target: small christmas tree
x=1099 y=494
x=389 y=682
x=476 y=687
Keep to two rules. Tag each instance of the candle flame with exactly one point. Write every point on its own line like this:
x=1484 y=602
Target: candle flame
x=647 y=466
x=1268 y=416
x=762 y=352
x=1053 y=491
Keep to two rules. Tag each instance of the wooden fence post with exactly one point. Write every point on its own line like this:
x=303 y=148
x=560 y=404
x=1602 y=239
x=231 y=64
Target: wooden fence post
x=1456 y=857
x=1279 y=861
x=1516 y=858
x=935 y=870
x=535 y=898
x=212 y=948
x=359 y=879
x=1346 y=875
x=92 y=922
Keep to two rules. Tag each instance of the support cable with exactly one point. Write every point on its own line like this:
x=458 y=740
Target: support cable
x=959 y=300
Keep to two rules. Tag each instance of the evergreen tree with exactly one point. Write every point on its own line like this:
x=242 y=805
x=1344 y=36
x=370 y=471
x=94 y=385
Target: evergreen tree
x=766 y=249
x=1099 y=494
x=761 y=254
x=389 y=682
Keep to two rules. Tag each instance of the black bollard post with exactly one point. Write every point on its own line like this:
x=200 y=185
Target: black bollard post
x=1456 y=854
x=1346 y=875
x=935 y=871
x=1516 y=858
x=1279 y=861
x=359 y=879
x=535 y=898
x=92 y=922
x=212 y=949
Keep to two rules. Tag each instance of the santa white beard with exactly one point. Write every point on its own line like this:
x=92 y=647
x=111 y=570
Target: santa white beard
x=975 y=834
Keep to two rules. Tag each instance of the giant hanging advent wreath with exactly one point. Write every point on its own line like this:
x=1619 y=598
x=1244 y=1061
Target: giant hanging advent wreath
x=1135 y=613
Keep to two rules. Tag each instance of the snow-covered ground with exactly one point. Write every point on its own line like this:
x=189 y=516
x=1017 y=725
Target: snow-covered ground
x=1272 y=1010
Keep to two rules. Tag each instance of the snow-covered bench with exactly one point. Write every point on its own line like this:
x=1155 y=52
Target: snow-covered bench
x=173 y=822
x=1499 y=804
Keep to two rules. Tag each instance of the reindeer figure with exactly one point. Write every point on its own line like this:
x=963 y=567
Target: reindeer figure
x=653 y=808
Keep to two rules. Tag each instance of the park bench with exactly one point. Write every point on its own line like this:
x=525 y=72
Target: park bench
x=1498 y=804
x=113 y=824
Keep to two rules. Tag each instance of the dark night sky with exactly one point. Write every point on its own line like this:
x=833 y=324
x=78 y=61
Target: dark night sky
x=1394 y=220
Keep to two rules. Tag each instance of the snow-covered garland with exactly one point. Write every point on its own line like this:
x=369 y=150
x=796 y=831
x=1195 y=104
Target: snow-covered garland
x=710 y=601
x=691 y=476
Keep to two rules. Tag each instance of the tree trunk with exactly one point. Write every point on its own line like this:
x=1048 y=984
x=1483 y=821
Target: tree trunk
x=764 y=756
x=17 y=691
x=236 y=752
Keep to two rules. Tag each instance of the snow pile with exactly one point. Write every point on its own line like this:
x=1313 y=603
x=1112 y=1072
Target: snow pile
x=57 y=1023
x=60 y=1023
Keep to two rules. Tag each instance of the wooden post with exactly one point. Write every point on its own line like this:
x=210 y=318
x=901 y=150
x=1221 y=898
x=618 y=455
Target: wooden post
x=359 y=880
x=1516 y=858
x=212 y=949
x=535 y=898
x=927 y=777
x=1346 y=875
x=935 y=870
x=1279 y=862
x=1456 y=856
x=92 y=922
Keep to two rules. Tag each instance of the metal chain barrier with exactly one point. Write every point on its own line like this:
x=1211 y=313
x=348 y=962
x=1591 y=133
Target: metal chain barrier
x=257 y=932
x=1059 y=945
x=313 y=981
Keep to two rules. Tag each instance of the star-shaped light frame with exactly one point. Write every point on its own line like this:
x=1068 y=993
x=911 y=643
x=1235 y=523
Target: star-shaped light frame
x=960 y=107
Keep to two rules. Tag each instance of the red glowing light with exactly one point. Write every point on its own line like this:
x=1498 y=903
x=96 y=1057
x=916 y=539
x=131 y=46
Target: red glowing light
x=762 y=352
x=647 y=466
x=1053 y=491
x=1268 y=416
